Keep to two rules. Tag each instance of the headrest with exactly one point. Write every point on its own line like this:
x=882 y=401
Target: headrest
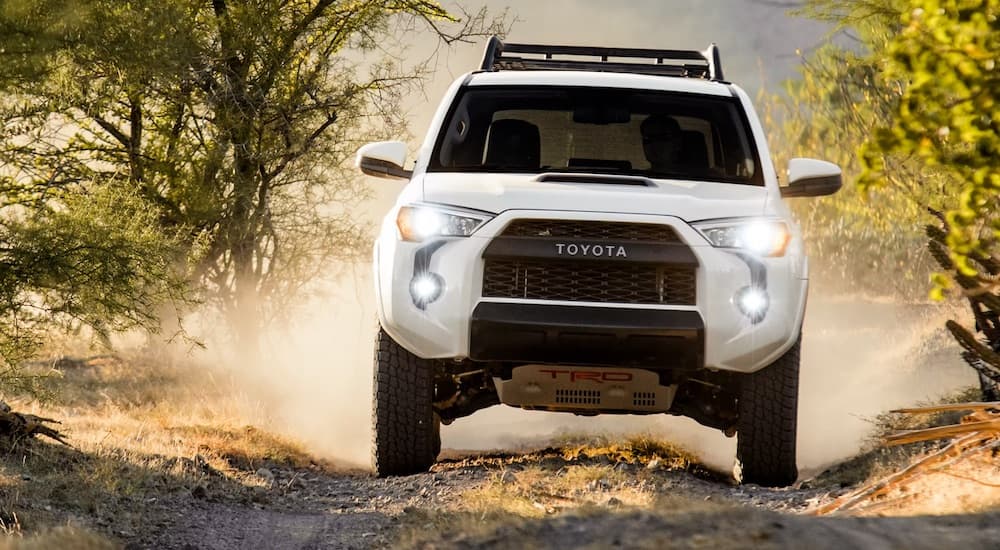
x=513 y=144
x=694 y=153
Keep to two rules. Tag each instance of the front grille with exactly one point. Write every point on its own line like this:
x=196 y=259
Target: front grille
x=589 y=281
x=594 y=230
x=579 y=397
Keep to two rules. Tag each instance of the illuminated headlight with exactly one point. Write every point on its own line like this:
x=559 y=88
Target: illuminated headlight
x=752 y=302
x=419 y=223
x=760 y=237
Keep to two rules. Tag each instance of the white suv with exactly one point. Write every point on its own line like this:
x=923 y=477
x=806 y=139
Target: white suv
x=602 y=236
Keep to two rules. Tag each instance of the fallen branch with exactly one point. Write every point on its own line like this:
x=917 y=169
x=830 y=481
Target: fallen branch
x=942 y=432
x=16 y=426
x=977 y=432
x=884 y=485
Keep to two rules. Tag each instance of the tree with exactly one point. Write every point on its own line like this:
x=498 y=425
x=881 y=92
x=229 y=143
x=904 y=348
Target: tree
x=844 y=90
x=71 y=255
x=232 y=119
x=948 y=120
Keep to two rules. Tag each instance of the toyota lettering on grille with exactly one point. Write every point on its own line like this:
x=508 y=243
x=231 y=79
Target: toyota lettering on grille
x=591 y=250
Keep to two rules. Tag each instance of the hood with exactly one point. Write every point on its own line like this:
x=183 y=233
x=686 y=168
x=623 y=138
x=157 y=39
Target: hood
x=688 y=200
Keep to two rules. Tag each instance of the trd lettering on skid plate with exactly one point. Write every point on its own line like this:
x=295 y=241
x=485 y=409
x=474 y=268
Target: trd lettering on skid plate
x=579 y=375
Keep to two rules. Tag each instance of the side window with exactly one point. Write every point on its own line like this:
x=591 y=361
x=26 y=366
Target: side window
x=455 y=135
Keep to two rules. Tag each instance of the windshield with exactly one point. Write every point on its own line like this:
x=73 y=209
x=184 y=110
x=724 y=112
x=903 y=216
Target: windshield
x=597 y=130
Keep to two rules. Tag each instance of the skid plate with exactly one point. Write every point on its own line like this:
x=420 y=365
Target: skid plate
x=562 y=388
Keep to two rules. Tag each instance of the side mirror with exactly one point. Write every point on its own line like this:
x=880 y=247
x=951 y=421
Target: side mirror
x=383 y=159
x=812 y=178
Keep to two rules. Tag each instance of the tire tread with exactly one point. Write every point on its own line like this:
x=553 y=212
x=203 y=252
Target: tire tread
x=768 y=411
x=406 y=433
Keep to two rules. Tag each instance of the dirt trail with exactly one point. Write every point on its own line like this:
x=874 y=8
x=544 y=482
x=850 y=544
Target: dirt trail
x=165 y=463
x=861 y=358
x=307 y=509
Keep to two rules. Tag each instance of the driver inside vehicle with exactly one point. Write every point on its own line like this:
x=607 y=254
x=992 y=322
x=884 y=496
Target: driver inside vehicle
x=661 y=142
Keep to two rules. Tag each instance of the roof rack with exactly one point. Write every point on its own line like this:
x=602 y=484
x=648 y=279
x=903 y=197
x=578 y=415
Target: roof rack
x=707 y=63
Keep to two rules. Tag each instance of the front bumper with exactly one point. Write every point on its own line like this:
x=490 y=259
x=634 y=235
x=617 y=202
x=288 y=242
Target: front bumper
x=580 y=335
x=464 y=324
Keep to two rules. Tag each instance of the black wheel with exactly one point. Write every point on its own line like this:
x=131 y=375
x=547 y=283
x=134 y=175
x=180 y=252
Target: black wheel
x=768 y=411
x=406 y=429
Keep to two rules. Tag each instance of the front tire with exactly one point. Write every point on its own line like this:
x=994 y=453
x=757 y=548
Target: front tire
x=768 y=418
x=406 y=430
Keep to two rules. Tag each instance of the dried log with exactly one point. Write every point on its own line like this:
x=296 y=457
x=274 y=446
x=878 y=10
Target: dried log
x=971 y=344
x=17 y=426
x=942 y=432
x=976 y=406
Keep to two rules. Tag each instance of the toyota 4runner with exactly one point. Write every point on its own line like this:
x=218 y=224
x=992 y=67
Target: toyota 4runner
x=594 y=231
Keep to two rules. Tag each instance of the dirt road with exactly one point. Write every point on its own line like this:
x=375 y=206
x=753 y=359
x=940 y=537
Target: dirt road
x=166 y=459
x=304 y=508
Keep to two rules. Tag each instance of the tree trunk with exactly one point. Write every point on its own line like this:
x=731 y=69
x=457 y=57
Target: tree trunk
x=243 y=243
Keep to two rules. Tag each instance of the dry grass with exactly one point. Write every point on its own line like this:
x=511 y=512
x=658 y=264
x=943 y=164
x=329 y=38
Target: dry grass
x=536 y=491
x=143 y=431
x=577 y=476
x=502 y=512
x=576 y=472
x=635 y=449
x=64 y=538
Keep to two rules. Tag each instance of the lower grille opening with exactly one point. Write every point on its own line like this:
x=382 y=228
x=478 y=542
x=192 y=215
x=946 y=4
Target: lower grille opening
x=644 y=399
x=579 y=397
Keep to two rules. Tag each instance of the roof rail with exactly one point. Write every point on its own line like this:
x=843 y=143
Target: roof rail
x=707 y=64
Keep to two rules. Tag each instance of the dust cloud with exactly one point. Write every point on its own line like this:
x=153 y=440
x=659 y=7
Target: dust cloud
x=313 y=382
x=861 y=357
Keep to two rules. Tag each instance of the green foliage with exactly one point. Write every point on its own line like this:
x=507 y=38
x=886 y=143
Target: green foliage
x=947 y=56
x=863 y=239
x=232 y=121
x=92 y=259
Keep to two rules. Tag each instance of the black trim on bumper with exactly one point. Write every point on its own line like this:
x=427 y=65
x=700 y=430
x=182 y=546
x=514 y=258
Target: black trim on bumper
x=581 y=335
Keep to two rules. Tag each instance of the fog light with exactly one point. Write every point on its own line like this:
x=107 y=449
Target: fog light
x=752 y=302
x=425 y=288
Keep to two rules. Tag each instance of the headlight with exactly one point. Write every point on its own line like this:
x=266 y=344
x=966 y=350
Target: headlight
x=419 y=223
x=761 y=237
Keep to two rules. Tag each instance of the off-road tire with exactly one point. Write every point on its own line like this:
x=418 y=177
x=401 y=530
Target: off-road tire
x=768 y=411
x=405 y=428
